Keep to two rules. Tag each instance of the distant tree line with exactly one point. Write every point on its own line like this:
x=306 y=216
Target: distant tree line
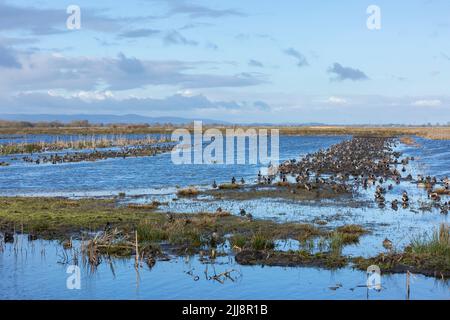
x=74 y=124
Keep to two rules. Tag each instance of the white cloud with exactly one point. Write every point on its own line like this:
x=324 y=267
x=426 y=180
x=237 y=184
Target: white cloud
x=336 y=100
x=427 y=103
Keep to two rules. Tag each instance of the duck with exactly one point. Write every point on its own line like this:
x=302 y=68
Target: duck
x=434 y=196
x=170 y=217
x=394 y=204
x=405 y=198
x=444 y=208
x=259 y=176
x=387 y=244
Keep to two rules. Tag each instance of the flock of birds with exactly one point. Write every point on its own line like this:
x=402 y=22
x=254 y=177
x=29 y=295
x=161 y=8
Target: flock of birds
x=96 y=155
x=360 y=162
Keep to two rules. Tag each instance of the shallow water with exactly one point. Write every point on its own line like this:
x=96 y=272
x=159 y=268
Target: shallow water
x=35 y=271
x=156 y=178
x=142 y=175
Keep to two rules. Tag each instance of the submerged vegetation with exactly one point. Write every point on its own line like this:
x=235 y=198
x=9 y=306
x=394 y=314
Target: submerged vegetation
x=60 y=218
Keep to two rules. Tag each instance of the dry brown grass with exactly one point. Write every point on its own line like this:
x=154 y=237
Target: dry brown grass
x=228 y=186
x=430 y=132
x=188 y=192
x=408 y=140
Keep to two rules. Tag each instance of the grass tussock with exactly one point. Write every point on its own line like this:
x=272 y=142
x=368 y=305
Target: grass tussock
x=408 y=140
x=352 y=229
x=229 y=186
x=150 y=206
x=188 y=192
x=260 y=241
x=238 y=241
x=436 y=245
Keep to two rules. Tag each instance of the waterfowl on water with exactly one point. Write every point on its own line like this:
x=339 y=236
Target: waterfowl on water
x=242 y=212
x=434 y=196
x=405 y=198
x=8 y=237
x=394 y=204
x=444 y=208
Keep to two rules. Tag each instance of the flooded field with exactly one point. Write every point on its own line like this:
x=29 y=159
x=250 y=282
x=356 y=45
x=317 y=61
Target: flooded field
x=36 y=269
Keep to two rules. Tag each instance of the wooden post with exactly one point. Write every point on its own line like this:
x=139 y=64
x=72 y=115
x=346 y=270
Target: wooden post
x=408 y=275
x=137 y=251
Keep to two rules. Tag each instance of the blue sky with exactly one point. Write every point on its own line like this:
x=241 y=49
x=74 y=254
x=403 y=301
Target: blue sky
x=239 y=61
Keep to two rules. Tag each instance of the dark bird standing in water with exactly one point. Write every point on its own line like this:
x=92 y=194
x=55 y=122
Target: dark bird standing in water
x=387 y=244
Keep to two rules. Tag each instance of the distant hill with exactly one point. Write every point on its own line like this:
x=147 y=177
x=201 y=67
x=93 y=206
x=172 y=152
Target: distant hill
x=102 y=118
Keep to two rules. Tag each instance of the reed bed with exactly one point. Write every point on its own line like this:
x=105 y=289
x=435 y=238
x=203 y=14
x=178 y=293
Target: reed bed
x=93 y=142
x=429 y=132
x=437 y=244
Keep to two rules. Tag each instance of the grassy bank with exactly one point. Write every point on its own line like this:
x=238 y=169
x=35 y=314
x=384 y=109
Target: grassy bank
x=127 y=229
x=62 y=218
x=427 y=254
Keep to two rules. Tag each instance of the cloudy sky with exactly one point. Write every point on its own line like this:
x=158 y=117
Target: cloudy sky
x=235 y=60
